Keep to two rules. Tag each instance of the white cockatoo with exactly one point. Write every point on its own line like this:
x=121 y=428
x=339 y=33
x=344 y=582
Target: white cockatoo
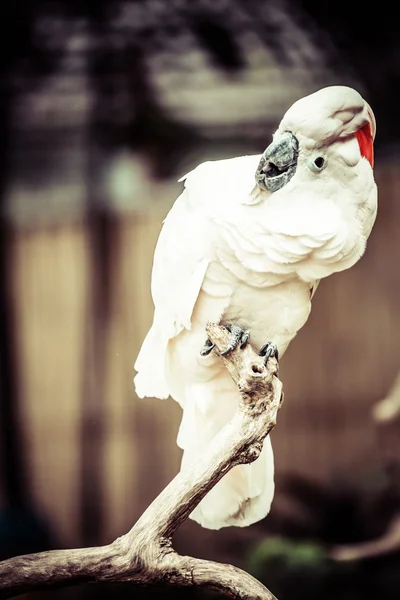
x=245 y=245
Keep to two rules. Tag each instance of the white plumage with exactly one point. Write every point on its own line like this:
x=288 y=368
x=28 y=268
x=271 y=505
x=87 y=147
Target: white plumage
x=231 y=251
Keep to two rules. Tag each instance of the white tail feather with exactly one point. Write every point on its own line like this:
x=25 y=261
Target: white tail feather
x=244 y=495
x=239 y=499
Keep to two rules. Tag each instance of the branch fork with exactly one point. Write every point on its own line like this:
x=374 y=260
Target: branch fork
x=145 y=554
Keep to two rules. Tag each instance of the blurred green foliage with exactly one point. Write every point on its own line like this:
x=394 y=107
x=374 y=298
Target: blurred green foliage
x=293 y=558
x=297 y=570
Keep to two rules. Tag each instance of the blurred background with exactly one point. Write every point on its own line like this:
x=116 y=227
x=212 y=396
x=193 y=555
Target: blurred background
x=104 y=105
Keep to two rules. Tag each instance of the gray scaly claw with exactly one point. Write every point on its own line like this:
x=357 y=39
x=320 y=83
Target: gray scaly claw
x=267 y=350
x=238 y=336
x=207 y=348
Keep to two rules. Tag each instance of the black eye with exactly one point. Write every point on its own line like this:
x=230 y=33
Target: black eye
x=319 y=162
x=316 y=164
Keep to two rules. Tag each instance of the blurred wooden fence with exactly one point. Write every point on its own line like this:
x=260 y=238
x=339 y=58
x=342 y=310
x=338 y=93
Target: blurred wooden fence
x=339 y=365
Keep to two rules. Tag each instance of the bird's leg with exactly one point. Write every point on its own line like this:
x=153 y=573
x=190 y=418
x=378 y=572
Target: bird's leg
x=237 y=336
x=207 y=348
x=267 y=350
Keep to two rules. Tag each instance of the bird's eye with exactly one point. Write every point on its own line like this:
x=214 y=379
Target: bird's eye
x=316 y=164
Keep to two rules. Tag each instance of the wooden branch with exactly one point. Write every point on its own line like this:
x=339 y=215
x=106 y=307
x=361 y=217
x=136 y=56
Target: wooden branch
x=388 y=409
x=145 y=555
x=386 y=417
x=386 y=544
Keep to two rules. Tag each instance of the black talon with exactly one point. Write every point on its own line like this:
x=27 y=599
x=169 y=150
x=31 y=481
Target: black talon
x=269 y=349
x=238 y=336
x=207 y=348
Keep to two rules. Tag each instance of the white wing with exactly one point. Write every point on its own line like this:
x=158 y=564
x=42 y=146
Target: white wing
x=180 y=262
x=182 y=255
x=188 y=242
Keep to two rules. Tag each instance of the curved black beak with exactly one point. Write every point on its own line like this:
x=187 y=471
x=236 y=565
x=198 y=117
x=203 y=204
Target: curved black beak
x=278 y=163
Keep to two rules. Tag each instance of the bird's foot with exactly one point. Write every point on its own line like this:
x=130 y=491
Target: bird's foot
x=269 y=349
x=237 y=336
x=207 y=348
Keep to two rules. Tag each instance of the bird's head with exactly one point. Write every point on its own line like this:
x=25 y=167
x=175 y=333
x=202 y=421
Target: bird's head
x=334 y=124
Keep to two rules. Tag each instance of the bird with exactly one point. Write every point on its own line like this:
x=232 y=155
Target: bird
x=245 y=245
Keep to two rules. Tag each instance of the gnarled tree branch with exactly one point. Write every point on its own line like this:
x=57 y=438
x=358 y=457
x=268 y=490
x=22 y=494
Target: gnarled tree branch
x=388 y=409
x=386 y=417
x=388 y=542
x=145 y=555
